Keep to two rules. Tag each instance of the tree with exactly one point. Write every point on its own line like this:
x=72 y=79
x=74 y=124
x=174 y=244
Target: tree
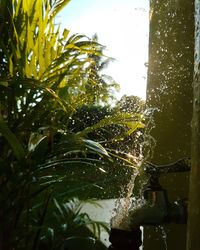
x=132 y=143
x=106 y=87
x=120 y=137
x=132 y=104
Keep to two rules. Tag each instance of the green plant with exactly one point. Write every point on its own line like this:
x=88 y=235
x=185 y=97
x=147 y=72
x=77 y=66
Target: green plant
x=42 y=163
x=71 y=225
x=44 y=78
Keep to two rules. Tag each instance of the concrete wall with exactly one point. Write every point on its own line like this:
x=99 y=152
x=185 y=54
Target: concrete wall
x=169 y=89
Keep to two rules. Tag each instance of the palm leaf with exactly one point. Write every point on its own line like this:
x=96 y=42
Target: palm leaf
x=131 y=121
x=17 y=147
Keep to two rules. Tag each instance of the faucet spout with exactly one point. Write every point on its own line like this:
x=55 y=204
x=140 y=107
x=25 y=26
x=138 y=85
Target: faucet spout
x=158 y=210
x=154 y=212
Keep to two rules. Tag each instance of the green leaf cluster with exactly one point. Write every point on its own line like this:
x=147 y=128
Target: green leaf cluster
x=45 y=77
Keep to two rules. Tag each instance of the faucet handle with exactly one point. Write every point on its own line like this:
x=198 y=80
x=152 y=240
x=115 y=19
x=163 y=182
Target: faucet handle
x=182 y=165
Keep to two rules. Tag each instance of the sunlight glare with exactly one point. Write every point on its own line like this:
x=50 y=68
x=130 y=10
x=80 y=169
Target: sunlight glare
x=123 y=29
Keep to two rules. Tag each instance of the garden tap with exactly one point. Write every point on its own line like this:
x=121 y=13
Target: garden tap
x=157 y=209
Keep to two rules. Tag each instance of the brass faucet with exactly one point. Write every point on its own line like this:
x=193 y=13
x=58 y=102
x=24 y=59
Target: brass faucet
x=157 y=209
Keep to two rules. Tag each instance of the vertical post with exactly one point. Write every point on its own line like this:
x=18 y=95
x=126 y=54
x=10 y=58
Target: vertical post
x=169 y=91
x=193 y=229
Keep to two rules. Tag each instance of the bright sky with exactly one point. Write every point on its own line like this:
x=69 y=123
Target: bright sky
x=122 y=26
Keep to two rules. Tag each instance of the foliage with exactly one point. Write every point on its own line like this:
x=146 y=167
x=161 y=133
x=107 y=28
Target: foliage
x=132 y=142
x=132 y=104
x=121 y=140
x=44 y=79
x=106 y=87
x=68 y=217
x=33 y=48
x=121 y=136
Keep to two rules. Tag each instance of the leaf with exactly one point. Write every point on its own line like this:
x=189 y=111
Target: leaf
x=58 y=6
x=12 y=140
x=58 y=208
x=4 y=83
x=38 y=146
x=34 y=141
x=95 y=147
x=121 y=118
x=65 y=33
